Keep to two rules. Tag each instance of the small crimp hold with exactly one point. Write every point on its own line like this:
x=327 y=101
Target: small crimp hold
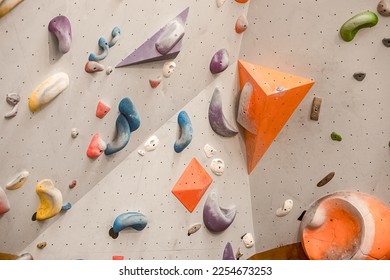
x=315 y=109
x=336 y=137
x=326 y=179
x=359 y=76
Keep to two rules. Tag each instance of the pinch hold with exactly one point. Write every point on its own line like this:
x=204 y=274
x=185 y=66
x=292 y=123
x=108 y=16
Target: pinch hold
x=186 y=132
x=18 y=181
x=48 y=90
x=93 y=66
x=61 y=28
x=219 y=62
x=135 y=220
x=116 y=33
x=96 y=146
x=50 y=200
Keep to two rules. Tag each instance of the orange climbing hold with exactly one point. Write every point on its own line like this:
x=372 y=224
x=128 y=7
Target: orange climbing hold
x=191 y=185
x=275 y=97
x=102 y=109
x=241 y=1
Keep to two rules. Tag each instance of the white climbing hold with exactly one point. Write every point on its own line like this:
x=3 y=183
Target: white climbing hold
x=12 y=113
x=18 y=181
x=75 y=132
x=48 y=90
x=13 y=100
x=152 y=143
x=248 y=240
x=220 y=3
x=109 y=70
x=168 y=68
x=141 y=152
x=217 y=166
x=209 y=151
x=287 y=207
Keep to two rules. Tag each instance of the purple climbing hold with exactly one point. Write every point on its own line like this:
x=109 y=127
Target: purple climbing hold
x=61 y=28
x=228 y=252
x=219 y=61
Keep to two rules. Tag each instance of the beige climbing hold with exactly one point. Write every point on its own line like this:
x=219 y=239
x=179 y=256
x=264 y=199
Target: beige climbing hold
x=315 y=109
x=241 y=24
x=18 y=181
x=41 y=245
x=220 y=3
x=287 y=207
x=193 y=229
x=48 y=90
x=50 y=200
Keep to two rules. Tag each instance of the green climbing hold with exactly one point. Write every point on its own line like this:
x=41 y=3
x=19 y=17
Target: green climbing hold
x=336 y=137
x=357 y=22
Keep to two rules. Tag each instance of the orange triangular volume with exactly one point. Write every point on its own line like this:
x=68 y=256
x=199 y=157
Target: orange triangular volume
x=191 y=185
x=275 y=97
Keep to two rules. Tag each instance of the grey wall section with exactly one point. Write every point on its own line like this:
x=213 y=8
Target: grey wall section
x=301 y=37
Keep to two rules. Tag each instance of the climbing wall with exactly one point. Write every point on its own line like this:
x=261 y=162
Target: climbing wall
x=301 y=37
x=41 y=142
x=297 y=37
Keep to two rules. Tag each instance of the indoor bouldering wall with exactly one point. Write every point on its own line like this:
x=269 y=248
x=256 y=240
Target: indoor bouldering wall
x=302 y=38
x=296 y=37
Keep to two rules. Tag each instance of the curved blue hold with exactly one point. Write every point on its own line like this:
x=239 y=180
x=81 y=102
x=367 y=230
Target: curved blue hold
x=127 y=108
x=186 y=132
x=116 y=32
x=133 y=220
x=104 y=45
x=66 y=207
x=122 y=136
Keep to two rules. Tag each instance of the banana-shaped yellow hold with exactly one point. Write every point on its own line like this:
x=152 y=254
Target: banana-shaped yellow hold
x=8 y=5
x=50 y=200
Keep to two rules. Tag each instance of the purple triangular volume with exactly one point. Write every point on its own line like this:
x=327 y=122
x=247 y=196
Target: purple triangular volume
x=147 y=52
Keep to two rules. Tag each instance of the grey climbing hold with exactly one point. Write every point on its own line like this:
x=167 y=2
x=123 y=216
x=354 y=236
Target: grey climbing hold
x=13 y=100
x=315 y=109
x=386 y=42
x=238 y=254
x=109 y=70
x=359 y=76
x=384 y=8
x=75 y=132
x=194 y=228
x=326 y=179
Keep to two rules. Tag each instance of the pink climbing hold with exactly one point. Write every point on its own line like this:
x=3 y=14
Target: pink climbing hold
x=102 y=110
x=4 y=203
x=96 y=147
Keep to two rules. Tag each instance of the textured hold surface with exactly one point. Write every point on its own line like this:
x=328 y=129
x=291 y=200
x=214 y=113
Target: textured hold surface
x=241 y=24
x=155 y=82
x=104 y=46
x=191 y=185
x=384 y=8
x=168 y=68
x=96 y=146
x=274 y=106
x=8 y=5
x=228 y=253
x=217 y=119
x=217 y=166
x=134 y=220
x=122 y=136
x=326 y=179
x=4 y=202
x=127 y=108
x=194 y=229
x=151 y=143
x=50 y=200
x=359 y=76
x=336 y=137
x=362 y=20
x=346 y=225
x=172 y=33
x=93 y=66
x=115 y=34
x=102 y=109
x=248 y=240
x=185 y=132
x=315 y=109
x=18 y=181
x=246 y=115
x=287 y=207
x=147 y=52
x=209 y=151
x=13 y=100
x=60 y=26
x=219 y=62
x=216 y=218
x=48 y=90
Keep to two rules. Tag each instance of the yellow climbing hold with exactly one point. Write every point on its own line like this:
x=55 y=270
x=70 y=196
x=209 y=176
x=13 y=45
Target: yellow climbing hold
x=50 y=200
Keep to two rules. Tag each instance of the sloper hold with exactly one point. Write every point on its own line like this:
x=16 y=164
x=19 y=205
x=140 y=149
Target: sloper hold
x=122 y=136
x=127 y=108
x=135 y=220
x=50 y=200
x=60 y=26
x=18 y=181
x=186 y=131
x=216 y=218
x=8 y=5
x=48 y=90
x=246 y=118
x=148 y=52
x=192 y=184
x=270 y=107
